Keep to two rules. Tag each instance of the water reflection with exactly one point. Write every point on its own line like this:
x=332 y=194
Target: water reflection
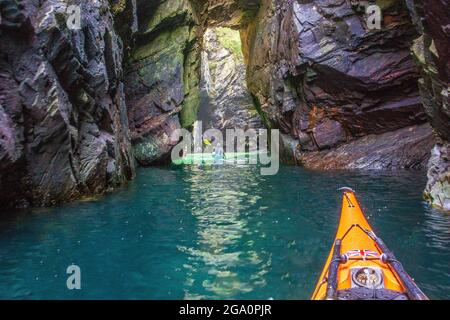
x=225 y=233
x=437 y=228
x=221 y=208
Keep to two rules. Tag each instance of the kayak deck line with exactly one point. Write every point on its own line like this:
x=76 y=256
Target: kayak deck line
x=360 y=266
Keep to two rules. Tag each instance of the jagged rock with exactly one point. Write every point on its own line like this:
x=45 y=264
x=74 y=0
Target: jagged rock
x=328 y=134
x=226 y=103
x=64 y=127
x=381 y=151
x=323 y=77
x=157 y=145
x=163 y=76
x=165 y=68
x=438 y=186
x=432 y=53
x=342 y=95
x=226 y=13
x=125 y=20
x=289 y=149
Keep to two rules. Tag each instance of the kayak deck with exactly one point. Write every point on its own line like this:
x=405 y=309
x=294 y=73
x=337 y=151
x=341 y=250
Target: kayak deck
x=357 y=266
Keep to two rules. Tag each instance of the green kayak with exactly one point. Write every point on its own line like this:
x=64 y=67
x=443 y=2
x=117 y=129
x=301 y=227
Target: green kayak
x=199 y=158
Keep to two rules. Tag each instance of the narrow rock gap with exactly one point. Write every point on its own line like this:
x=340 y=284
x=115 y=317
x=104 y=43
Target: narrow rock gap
x=225 y=102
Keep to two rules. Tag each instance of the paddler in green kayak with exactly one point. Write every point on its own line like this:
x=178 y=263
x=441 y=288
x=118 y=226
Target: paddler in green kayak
x=218 y=154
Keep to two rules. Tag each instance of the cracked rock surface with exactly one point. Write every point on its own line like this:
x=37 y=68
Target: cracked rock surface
x=63 y=119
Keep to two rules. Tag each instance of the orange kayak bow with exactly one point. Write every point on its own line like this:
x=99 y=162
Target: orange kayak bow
x=360 y=266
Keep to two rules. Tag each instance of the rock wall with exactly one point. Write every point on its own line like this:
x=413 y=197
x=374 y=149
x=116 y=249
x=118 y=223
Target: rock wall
x=63 y=120
x=314 y=69
x=76 y=106
x=432 y=53
x=163 y=75
x=226 y=13
x=407 y=148
x=226 y=102
x=322 y=77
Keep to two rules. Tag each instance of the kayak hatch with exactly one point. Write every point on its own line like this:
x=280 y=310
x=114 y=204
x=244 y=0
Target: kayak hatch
x=360 y=266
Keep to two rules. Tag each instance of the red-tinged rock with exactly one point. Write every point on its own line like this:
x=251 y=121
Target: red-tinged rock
x=328 y=134
x=344 y=80
x=406 y=148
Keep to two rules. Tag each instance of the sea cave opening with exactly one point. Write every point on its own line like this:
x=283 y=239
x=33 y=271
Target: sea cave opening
x=225 y=102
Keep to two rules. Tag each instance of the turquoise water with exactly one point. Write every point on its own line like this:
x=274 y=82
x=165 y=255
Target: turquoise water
x=228 y=233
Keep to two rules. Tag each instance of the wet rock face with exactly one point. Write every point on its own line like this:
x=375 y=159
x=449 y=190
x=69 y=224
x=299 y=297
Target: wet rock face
x=73 y=102
x=67 y=101
x=326 y=79
x=432 y=54
x=226 y=102
x=437 y=191
x=363 y=79
x=226 y=13
x=162 y=77
x=374 y=152
x=63 y=121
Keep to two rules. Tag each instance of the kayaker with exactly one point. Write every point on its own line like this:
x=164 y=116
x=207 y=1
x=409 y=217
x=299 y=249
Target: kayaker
x=218 y=153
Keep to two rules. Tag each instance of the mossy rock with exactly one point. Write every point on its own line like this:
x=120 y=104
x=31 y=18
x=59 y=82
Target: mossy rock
x=189 y=111
x=118 y=6
x=153 y=148
x=167 y=12
x=387 y=4
x=171 y=40
x=230 y=39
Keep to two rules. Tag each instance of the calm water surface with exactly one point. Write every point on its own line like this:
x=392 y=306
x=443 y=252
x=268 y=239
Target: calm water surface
x=228 y=233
